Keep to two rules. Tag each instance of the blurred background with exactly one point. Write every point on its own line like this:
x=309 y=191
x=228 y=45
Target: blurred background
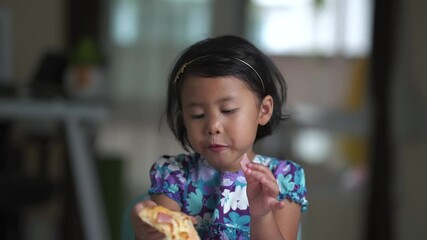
x=83 y=88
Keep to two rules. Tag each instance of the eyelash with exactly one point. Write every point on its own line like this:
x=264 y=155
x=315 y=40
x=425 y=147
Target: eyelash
x=229 y=111
x=198 y=116
x=226 y=112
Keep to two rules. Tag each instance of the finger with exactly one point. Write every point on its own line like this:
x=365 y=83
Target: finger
x=260 y=178
x=270 y=187
x=154 y=234
x=141 y=228
x=138 y=207
x=134 y=214
x=261 y=168
x=274 y=204
x=257 y=175
x=279 y=205
x=148 y=203
x=193 y=219
x=141 y=205
x=253 y=176
x=249 y=178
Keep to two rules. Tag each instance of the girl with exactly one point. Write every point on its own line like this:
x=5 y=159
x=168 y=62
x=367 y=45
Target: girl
x=223 y=96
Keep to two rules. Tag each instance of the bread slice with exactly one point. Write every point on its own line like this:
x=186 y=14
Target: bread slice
x=173 y=224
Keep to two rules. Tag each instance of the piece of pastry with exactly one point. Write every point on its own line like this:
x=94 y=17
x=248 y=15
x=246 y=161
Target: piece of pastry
x=173 y=224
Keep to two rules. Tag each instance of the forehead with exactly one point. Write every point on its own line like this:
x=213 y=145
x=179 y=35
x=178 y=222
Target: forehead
x=205 y=89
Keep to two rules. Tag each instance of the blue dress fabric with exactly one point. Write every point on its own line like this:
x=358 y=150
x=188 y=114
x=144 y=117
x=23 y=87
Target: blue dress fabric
x=217 y=199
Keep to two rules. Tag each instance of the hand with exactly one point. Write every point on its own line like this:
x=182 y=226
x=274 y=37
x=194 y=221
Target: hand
x=262 y=190
x=143 y=231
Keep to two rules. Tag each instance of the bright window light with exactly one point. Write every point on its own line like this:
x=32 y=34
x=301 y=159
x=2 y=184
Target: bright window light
x=125 y=23
x=302 y=27
x=312 y=146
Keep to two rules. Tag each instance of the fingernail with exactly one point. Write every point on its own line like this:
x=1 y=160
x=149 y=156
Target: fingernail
x=139 y=207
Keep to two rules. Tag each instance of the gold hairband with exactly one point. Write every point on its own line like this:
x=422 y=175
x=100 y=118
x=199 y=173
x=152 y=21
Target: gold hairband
x=181 y=70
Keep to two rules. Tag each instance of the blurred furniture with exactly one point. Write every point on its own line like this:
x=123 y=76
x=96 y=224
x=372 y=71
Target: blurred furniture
x=78 y=119
x=48 y=80
x=18 y=189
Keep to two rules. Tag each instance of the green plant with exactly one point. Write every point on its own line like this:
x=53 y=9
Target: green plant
x=85 y=53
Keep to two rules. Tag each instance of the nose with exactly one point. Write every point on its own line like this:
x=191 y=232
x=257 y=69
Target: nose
x=213 y=126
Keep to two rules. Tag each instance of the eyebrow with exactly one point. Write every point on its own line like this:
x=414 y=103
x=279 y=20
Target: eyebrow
x=221 y=100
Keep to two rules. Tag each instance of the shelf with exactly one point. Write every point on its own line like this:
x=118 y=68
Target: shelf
x=83 y=167
x=51 y=109
x=337 y=121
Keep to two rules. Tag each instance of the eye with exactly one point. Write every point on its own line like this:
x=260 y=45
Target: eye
x=197 y=116
x=229 y=111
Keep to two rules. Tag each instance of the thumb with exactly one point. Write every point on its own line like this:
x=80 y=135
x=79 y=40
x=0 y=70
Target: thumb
x=141 y=205
x=148 y=203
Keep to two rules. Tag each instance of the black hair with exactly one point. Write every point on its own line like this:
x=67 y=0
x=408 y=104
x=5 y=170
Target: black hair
x=226 y=56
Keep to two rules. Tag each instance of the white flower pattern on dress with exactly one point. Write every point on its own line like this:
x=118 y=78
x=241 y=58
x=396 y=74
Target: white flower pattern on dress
x=240 y=199
x=241 y=179
x=234 y=200
x=227 y=182
x=225 y=200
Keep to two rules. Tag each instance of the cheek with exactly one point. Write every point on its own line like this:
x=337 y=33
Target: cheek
x=244 y=127
x=194 y=130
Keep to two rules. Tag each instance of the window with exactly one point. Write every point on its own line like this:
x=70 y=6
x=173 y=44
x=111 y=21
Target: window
x=146 y=36
x=311 y=27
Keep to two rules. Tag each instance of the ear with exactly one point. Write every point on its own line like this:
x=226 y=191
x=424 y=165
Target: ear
x=265 y=110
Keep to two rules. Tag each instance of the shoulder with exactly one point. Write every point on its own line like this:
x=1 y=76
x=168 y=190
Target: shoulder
x=169 y=167
x=176 y=162
x=169 y=175
x=278 y=165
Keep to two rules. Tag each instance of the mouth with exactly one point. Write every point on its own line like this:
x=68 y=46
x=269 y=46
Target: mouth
x=217 y=147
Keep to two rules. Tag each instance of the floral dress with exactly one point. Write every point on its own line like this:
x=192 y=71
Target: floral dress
x=217 y=199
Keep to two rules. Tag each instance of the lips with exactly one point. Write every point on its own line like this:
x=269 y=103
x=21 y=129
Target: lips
x=217 y=147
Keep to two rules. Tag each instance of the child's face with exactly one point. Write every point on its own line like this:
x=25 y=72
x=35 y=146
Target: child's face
x=221 y=116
